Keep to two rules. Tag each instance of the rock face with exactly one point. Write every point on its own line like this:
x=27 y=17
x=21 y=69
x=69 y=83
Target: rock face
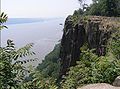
x=73 y=38
x=99 y=86
x=95 y=31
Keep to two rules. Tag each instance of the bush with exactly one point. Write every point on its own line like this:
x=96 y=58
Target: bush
x=11 y=71
x=39 y=82
x=92 y=69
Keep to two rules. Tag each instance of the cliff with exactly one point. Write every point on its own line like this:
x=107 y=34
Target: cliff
x=92 y=32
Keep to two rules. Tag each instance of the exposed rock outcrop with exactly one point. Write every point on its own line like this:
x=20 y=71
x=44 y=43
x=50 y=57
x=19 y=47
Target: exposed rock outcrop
x=117 y=82
x=93 y=30
x=99 y=86
x=73 y=38
x=116 y=85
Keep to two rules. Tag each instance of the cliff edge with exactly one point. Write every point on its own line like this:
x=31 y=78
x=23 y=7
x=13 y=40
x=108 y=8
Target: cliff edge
x=90 y=31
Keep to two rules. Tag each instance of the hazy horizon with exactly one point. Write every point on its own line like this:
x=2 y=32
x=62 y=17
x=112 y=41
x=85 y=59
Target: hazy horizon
x=28 y=20
x=40 y=8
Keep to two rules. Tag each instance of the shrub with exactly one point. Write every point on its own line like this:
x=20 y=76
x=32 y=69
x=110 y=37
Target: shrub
x=92 y=69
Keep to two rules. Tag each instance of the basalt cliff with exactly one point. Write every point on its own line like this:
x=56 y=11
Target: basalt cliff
x=91 y=30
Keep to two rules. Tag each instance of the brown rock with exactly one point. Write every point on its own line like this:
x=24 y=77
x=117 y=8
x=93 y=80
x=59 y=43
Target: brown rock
x=99 y=86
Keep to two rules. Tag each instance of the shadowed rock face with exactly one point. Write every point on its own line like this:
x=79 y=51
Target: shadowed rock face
x=73 y=38
x=99 y=86
x=97 y=36
x=95 y=31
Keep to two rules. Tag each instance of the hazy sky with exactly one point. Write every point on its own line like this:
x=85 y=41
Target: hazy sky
x=39 y=8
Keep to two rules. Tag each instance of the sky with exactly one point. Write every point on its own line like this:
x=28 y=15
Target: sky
x=39 y=8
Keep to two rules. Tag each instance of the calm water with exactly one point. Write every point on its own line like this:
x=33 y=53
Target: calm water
x=43 y=33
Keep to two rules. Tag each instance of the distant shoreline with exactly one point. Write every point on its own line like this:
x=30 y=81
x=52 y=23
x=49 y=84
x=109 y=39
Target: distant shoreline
x=22 y=20
x=12 y=21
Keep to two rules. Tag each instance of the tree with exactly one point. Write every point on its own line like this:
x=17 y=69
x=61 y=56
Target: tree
x=111 y=8
x=105 y=8
x=11 y=70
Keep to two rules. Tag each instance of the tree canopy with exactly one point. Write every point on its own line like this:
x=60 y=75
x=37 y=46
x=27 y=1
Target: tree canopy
x=103 y=8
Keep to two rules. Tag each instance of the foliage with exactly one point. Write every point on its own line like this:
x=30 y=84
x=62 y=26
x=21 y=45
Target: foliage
x=11 y=72
x=78 y=12
x=50 y=66
x=114 y=45
x=103 y=8
x=3 y=19
x=39 y=82
x=46 y=73
x=44 y=83
x=92 y=69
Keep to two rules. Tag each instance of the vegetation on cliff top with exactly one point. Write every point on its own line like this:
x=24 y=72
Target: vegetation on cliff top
x=102 y=8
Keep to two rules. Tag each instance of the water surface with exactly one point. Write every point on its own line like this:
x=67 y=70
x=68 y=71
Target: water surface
x=43 y=33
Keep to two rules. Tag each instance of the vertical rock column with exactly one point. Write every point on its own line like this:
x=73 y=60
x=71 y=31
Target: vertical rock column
x=72 y=40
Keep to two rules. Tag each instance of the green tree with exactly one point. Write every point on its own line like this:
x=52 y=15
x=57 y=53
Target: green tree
x=109 y=7
x=11 y=70
x=104 y=8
